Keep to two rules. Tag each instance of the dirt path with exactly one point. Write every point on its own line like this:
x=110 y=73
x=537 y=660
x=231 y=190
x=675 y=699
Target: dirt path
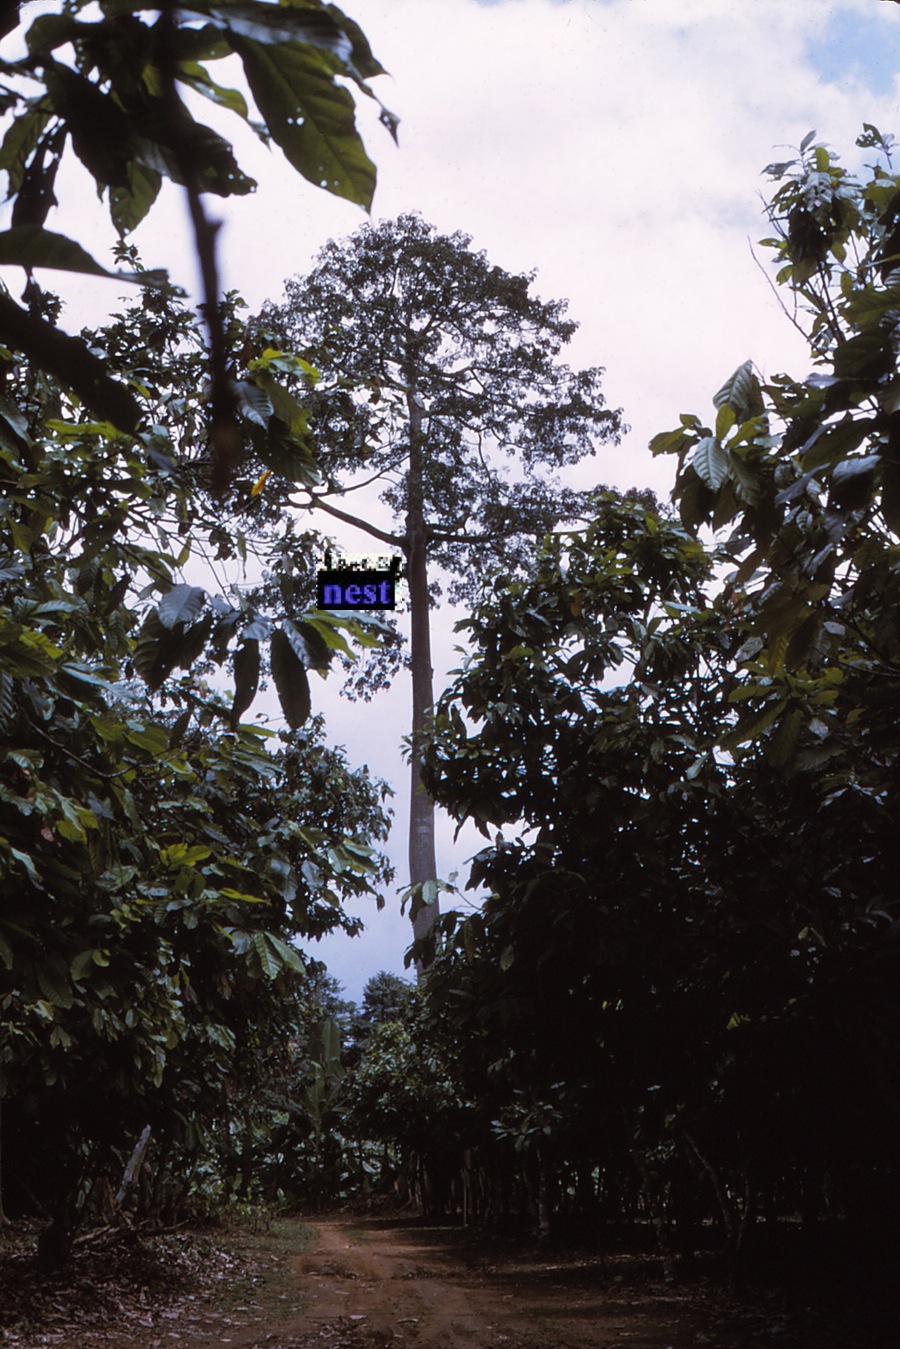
x=365 y=1284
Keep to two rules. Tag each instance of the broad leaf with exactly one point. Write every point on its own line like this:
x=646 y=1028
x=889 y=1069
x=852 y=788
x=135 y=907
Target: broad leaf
x=193 y=73
x=19 y=143
x=182 y=604
x=273 y=955
x=253 y=402
x=315 y=650
x=246 y=678
x=53 y=979
x=742 y=392
x=129 y=204
x=281 y=24
x=160 y=650
x=710 y=461
x=290 y=680
x=310 y=116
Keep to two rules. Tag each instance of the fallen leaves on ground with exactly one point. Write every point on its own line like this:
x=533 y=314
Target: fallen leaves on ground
x=126 y=1285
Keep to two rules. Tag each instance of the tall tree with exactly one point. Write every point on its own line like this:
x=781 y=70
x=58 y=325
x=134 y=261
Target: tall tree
x=433 y=363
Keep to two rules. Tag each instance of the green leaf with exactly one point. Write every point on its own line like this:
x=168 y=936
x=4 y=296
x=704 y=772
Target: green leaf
x=25 y=860
x=282 y=24
x=196 y=75
x=318 y=651
x=744 y=477
x=83 y=965
x=254 y=402
x=182 y=604
x=310 y=117
x=246 y=678
x=32 y=246
x=784 y=741
x=829 y=444
x=327 y=628
x=159 y=650
x=273 y=955
x=51 y=30
x=285 y=406
x=184 y=855
x=53 y=980
x=290 y=680
x=130 y=203
x=19 y=143
x=741 y=392
x=725 y=420
x=330 y=1036
x=8 y=709
x=710 y=462
x=309 y=645
x=671 y=442
x=752 y=727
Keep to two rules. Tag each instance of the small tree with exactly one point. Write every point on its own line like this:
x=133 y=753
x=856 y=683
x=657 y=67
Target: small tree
x=432 y=362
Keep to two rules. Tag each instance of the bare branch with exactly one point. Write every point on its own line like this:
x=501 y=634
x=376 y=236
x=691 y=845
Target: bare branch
x=319 y=503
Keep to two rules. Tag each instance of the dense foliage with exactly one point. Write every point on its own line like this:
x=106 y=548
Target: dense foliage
x=157 y=859
x=680 y=998
x=158 y=855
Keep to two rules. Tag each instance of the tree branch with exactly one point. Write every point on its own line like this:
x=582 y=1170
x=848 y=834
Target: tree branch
x=71 y=362
x=226 y=437
x=319 y=503
x=436 y=536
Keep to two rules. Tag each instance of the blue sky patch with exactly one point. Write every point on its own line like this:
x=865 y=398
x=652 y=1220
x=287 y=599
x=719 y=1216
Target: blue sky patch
x=851 y=47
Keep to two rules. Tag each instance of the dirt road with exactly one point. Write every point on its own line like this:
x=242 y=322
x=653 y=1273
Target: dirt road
x=365 y=1284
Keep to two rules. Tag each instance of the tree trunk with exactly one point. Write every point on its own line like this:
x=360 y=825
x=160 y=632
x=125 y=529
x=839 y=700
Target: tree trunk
x=133 y=1169
x=544 y=1200
x=652 y=1192
x=4 y=1221
x=422 y=859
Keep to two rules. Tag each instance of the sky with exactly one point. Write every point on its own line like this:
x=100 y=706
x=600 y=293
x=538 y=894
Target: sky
x=616 y=146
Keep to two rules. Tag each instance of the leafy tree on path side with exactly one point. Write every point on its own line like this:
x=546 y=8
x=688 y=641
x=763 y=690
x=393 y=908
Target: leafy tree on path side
x=433 y=365
x=805 y=475
x=685 y=973
x=152 y=872
x=715 y=834
x=154 y=863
